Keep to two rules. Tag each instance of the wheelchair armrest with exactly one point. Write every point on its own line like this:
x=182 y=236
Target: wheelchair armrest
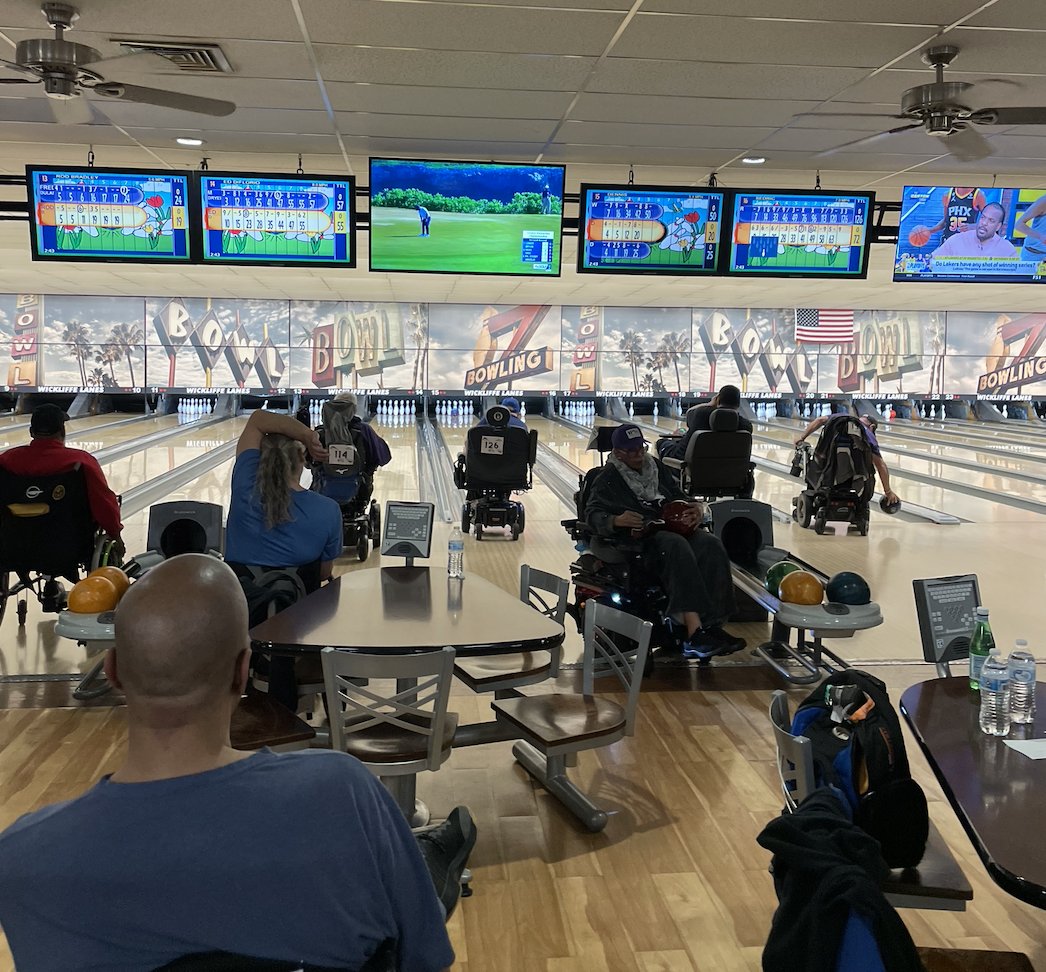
x=673 y=463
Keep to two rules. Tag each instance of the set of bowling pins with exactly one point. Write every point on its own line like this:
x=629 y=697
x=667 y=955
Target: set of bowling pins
x=813 y=409
x=190 y=409
x=315 y=412
x=577 y=411
x=447 y=407
x=765 y=410
x=934 y=411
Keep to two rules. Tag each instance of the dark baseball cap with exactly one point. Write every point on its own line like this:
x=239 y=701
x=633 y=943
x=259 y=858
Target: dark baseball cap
x=512 y=404
x=47 y=420
x=730 y=396
x=627 y=437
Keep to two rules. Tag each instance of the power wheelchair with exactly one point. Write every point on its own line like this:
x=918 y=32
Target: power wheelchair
x=46 y=533
x=718 y=460
x=498 y=461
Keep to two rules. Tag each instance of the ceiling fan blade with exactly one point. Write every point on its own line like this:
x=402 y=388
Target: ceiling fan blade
x=867 y=139
x=845 y=114
x=21 y=81
x=71 y=111
x=136 y=62
x=20 y=68
x=1009 y=116
x=968 y=145
x=164 y=99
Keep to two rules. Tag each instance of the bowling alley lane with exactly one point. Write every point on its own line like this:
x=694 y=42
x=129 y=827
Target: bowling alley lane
x=994 y=435
x=90 y=431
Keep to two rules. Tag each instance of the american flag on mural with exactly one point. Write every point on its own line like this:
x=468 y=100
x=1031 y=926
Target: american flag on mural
x=814 y=326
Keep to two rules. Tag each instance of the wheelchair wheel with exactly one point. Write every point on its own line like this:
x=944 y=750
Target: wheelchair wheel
x=22 y=611
x=521 y=522
x=802 y=511
x=5 y=593
x=466 y=518
x=479 y=531
x=820 y=522
x=374 y=517
x=362 y=546
x=862 y=524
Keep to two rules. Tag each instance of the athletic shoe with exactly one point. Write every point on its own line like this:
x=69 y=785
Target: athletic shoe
x=446 y=850
x=709 y=642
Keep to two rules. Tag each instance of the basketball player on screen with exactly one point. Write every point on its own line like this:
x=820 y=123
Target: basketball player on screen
x=961 y=209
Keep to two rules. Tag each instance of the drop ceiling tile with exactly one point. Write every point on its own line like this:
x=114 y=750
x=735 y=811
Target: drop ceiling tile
x=353 y=124
x=634 y=76
x=663 y=136
x=1015 y=14
x=395 y=99
x=991 y=51
x=687 y=110
x=727 y=39
x=458 y=69
x=454 y=27
x=624 y=155
x=884 y=11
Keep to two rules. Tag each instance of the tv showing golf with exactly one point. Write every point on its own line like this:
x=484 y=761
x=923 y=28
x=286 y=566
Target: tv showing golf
x=466 y=217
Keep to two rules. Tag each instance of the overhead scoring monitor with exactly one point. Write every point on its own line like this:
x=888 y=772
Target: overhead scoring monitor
x=274 y=219
x=108 y=215
x=800 y=234
x=649 y=229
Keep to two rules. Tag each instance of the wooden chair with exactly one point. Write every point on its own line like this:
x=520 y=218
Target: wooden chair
x=503 y=674
x=395 y=736
x=973 y=960
x=937 y=883
x=260 y=721
x=555 y=727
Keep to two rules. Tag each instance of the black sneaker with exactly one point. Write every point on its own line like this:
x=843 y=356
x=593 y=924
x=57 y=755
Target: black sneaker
x=446 y=850
x=711 y=642
x=731 y=643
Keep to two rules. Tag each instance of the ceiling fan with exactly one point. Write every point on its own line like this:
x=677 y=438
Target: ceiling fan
x=68 y=71
x=942 y=109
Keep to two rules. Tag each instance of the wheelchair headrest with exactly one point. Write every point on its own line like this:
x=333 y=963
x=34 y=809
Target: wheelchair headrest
x=691 y=418
x=723 y=420
x=601 y=437
x=498 y=416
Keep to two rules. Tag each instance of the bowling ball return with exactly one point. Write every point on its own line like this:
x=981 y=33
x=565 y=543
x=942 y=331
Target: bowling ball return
x=745 y=528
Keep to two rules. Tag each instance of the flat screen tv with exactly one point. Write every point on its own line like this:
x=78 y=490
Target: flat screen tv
x=261 y=218
x=971 y=235
x=466 y=217
x=789 y=233
x=649 y=229
x=115 y=215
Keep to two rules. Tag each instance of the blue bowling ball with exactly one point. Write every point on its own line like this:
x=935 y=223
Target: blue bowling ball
x=846 y=587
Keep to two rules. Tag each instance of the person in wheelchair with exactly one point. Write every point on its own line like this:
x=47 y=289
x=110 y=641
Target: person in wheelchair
x=515 y=420
x=48 y=454
x=694 y=570
x=342 y=425
x=869 y=426
x=699 y=419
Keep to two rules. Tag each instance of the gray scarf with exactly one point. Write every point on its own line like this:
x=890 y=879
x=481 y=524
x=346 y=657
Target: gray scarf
x=645 y=483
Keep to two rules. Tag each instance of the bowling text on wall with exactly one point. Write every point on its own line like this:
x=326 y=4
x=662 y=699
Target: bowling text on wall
x=750 y=350
x=25 y=348
x=517 y=360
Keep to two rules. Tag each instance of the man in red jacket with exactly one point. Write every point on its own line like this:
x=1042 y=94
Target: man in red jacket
x=47 y=455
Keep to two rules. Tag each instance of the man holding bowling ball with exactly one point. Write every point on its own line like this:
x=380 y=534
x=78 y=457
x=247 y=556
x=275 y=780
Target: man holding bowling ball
x=694 y=570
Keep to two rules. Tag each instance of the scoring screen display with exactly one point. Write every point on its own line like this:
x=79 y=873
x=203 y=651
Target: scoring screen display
x=270 y=219
x=408 y=529
x=649 y=229
x=795 y=234
x=108 y=214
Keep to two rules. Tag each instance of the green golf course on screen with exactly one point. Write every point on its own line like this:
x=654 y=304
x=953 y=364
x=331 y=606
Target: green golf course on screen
x=460 y=242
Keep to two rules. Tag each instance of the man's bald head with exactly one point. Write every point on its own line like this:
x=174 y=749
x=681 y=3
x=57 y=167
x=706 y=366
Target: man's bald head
x=179 y=631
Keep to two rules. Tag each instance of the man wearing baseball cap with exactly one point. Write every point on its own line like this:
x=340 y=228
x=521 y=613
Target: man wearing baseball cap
x=47 y=455
x=512 y=404
x=694 y=570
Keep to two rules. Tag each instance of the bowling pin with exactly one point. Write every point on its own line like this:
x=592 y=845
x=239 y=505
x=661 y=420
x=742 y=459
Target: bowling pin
x=523 y=410
x=656 y=412
x=631 y=410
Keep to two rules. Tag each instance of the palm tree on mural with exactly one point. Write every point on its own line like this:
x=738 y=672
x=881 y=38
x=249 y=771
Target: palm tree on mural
x=674 y=346
x=658 y=361
x=631 y=347
x=128 y=338
x=100 y=378
x=76 y=336
x=108 y=354
x=419 y=333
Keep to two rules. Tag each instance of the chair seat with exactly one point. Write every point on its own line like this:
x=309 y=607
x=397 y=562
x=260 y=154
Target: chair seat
x=479 y=672
x=386 y=743
x=557 y=718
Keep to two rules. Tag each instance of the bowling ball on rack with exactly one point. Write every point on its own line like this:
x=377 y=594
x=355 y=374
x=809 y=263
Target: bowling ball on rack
x=848 y=587
x=93 y=595
x=777 y=573
x=887 y=507
x=115 y=576
x=679 y=518
x=801 y=587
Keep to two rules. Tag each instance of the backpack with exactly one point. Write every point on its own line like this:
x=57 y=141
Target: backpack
x=269 y=590
x=858 y=748
x=346 y=446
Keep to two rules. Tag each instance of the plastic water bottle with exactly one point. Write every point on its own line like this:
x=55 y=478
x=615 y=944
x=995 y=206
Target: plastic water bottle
x=1022 y=683
x=456 y=554
x=981 y=644
x=995 y=695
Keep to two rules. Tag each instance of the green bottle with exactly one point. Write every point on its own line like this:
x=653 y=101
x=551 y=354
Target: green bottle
x=981 y=645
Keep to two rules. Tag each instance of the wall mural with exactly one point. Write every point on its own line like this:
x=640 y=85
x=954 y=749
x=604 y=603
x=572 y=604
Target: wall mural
x=66 y=343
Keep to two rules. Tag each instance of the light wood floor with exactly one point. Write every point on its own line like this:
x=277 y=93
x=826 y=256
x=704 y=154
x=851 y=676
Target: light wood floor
x=676 y=882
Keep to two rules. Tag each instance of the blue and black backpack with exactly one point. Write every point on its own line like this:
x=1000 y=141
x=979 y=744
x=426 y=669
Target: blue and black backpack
x=858 y=748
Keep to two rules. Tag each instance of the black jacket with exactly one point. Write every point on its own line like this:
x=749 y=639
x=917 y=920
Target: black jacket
x=610 y=495
x=824 y=866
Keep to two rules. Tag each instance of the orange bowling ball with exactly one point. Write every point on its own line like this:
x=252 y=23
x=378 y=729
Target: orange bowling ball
x=93 y=595
x=801 y=587
x=115 y=576
x=679 y=518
